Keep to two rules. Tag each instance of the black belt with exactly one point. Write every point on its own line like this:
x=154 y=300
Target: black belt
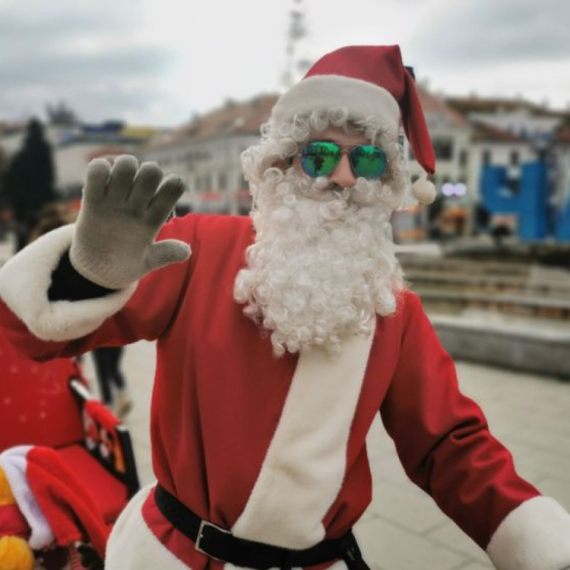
x=222 y=545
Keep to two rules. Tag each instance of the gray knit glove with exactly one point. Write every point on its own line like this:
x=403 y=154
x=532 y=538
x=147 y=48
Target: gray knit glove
x=121 y=213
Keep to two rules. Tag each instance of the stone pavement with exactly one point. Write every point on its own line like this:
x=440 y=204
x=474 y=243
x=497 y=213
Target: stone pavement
x=403 y=529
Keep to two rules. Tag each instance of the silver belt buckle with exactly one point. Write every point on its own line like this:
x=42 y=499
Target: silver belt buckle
x=204 y=524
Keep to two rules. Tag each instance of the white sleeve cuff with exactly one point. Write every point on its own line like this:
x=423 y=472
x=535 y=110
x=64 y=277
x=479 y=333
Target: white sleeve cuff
x=24 y=283
x=535 y=535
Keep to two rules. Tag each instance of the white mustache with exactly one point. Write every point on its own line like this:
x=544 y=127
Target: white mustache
x=317 y=246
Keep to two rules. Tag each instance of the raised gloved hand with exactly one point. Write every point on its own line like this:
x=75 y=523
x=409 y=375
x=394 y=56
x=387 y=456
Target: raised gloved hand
x=121 y=213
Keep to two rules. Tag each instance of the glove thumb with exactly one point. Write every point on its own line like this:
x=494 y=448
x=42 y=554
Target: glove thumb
x=165 y=252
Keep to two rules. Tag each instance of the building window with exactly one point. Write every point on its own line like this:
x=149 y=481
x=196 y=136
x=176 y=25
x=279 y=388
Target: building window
x=486 y=157
x=443 y=149
x=463 y=158
x=208 y=182
x=514 y=158
x=222 y=181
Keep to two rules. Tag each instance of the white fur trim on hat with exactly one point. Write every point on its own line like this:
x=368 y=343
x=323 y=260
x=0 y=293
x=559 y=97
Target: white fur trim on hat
x=324 y=92
x=536 y=535
x=424 y=191
x=14 y=464
x=24 y=283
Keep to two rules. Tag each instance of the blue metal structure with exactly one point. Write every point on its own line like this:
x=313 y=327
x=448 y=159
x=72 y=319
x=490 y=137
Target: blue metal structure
x=527 y=199
x=498 y=198
x=563 y=223
x=533 y=203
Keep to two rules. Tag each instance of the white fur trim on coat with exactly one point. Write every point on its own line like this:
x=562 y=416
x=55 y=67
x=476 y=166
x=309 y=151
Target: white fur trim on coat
x=24 y=283
x=305 y=464
x=324 y=92
x=534 y=536
x=133 y=546
x=338 y=565
x=14 y=463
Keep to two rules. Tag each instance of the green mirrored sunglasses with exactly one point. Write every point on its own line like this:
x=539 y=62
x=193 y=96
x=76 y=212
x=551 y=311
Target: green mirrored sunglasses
x=320 y=158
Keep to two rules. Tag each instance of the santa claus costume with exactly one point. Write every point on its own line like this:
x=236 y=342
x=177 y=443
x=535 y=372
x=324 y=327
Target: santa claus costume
x=279 y=341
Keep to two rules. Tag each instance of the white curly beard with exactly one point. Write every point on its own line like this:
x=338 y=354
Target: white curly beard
x=323 y=261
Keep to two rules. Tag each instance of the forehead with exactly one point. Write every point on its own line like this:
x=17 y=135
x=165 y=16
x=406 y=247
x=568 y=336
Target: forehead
x=338 y=135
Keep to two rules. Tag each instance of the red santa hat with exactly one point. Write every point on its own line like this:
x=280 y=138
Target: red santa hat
x=367 y=81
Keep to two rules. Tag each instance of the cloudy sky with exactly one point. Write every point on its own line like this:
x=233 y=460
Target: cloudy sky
x=159 y=61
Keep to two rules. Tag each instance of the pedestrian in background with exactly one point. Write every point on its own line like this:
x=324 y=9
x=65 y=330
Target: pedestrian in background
x=107 y=360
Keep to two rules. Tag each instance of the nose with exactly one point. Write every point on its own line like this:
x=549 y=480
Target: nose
x=343 y=175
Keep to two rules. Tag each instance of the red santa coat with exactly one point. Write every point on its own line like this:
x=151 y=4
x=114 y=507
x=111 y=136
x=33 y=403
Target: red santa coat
x=36 y=405
x=274 y=448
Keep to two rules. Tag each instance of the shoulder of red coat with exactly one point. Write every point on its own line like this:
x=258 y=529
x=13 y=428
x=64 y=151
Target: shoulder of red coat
x=407 y=303
x=195 y=225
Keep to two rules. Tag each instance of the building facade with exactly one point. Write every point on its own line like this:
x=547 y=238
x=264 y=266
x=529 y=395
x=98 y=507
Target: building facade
x=73 y=146
x=206 y=154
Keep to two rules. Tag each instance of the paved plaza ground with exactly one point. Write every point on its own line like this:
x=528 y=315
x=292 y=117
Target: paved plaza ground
x=403 y=529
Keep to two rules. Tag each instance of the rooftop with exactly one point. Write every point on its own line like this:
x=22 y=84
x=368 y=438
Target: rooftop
x=485 y=132
x=244 y=117
x=433 y=104
x=11 y=127
x=474 y=104
x=562 y=134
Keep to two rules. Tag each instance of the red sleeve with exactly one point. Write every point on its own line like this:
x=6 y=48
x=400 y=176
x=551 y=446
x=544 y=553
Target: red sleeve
x=144 y=317
x=442 y=437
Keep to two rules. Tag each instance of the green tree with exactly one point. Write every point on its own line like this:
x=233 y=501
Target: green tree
x=29 y=181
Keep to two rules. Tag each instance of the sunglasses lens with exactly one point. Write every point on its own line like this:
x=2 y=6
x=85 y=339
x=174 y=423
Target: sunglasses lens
x=320 y=158
x=368 y=161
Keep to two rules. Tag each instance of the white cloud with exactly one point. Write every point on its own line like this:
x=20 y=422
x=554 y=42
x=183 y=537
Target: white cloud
x=97 y=57
x=158 y=61
x=491 y=32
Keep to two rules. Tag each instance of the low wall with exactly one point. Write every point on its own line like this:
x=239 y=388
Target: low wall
x=535 y=350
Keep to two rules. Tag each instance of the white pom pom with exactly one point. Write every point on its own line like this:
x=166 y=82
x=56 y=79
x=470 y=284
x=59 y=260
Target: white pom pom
x=424 y=191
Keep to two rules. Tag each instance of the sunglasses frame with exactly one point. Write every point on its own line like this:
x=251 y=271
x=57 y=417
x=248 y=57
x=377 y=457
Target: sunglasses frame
x=344 y=149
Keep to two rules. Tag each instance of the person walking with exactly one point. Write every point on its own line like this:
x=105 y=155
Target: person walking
x=112 y=386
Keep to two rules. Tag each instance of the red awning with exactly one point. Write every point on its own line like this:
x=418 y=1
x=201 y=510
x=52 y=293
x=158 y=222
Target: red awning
x=212 y=196
x=243 y=196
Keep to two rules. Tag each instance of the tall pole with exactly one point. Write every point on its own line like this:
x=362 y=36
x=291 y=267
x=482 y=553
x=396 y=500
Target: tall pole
x=296 y=64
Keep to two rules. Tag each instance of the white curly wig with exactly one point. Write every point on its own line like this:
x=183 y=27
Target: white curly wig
x=323 y=263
